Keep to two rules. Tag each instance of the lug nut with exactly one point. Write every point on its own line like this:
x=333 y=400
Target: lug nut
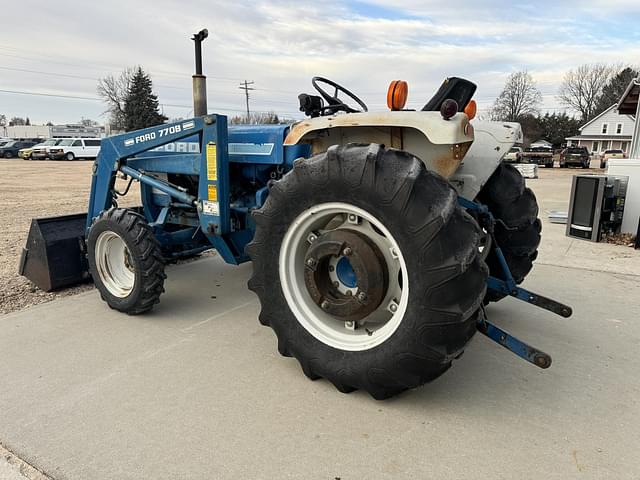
x=331 y=268
x=336 y=284
x=347 y=251
x=324 y=305
x=362 y=296
x=311 y=262
x=393 y=307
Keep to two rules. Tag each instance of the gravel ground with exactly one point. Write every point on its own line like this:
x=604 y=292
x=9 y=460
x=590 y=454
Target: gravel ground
x=31 y=189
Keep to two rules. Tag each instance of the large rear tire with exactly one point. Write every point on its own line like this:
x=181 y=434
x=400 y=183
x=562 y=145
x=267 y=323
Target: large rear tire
x=384 y=210
x=125 y=261
x=518 y=228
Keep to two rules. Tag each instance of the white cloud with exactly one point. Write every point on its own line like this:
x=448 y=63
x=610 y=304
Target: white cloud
x=281 y=44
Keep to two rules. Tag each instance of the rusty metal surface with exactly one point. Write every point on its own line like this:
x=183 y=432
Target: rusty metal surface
x=431 y=124
x=368 y=264
x=443 y=158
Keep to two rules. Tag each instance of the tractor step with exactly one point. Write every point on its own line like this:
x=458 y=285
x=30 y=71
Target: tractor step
x=514 y=345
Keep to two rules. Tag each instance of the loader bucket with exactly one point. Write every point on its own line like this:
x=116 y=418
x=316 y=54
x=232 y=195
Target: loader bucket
x=54 y=256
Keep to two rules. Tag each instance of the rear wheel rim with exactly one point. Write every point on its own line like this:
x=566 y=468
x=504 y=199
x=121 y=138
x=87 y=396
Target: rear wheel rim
x=334 y=331
x=114 y=264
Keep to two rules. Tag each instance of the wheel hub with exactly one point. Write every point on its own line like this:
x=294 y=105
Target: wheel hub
x=360 y=281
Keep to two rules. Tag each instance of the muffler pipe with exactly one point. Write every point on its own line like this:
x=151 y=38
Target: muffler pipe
x=199 y=80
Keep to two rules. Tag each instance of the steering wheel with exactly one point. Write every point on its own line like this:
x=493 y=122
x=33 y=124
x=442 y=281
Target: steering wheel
x=334 y=103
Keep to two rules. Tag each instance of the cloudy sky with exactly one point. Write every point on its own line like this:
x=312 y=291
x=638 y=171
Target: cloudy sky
x=52 y=53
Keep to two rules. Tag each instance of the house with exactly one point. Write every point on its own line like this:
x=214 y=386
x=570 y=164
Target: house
x=607 y=131
x=629 y=105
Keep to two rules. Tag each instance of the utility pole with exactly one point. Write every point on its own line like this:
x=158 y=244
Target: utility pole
x=245 y=86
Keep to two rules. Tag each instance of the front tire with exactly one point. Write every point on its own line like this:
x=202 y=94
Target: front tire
x=518 y=227
x=70 y=156
x=125 y=261
x=387 y=209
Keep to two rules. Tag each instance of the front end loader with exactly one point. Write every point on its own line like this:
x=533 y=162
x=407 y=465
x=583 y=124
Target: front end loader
x=377 y=239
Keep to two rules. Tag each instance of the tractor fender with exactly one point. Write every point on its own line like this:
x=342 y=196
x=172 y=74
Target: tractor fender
x=492 y=142
x=441 y=144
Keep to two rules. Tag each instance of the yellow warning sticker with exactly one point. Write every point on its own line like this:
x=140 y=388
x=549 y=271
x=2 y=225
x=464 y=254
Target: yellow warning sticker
x=212 y=165
x=212 y=193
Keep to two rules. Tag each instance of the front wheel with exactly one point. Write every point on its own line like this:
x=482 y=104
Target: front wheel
x=367 y=270
x=125 y=261
x=70 y=156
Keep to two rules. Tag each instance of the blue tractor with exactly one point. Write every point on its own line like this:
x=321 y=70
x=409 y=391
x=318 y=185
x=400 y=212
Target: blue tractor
x=377 y=239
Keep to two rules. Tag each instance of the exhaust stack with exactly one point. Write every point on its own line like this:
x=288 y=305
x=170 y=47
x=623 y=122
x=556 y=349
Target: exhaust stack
x=199 y=80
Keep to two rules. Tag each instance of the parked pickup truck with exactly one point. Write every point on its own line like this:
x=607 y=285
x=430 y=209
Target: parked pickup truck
x=610 y=154
x=576 y=156
x=513 y=155
x=41 y=151
x=538 y=155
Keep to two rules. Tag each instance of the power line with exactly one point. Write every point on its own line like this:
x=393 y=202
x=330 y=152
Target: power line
x=39 y=94
x=96 y=99
x=245 y=86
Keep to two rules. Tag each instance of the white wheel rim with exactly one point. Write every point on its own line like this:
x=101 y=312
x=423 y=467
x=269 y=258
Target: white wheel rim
x=374 y=329
x=113 y=262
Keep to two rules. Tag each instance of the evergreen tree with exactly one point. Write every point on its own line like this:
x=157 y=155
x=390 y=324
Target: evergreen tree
x=613 y=90
x=141 y=105
x=558 y=126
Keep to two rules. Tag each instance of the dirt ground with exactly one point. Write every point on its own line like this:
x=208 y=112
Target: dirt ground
x=31 y=189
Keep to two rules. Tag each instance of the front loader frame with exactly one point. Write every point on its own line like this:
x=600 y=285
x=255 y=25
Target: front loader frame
x=134 y=155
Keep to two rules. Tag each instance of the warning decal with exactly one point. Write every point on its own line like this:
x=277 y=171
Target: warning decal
x=212 y=165
x=211 y=208
x=212 y=193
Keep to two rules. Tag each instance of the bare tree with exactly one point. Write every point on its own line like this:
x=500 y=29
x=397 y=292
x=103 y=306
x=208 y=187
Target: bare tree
x=519 y=97
x=3 y=120
x=87 y=122
x=258 y=118
x=113 y=91
x=582 y=88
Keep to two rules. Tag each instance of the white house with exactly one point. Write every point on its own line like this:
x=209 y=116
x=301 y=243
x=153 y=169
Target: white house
x=607 y=131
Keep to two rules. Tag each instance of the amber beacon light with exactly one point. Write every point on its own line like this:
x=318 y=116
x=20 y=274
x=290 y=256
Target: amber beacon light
x=471 y=109
x=397 y=94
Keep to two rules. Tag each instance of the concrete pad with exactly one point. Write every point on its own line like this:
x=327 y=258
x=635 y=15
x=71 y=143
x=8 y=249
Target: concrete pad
x=196 y=389
x=7 y=472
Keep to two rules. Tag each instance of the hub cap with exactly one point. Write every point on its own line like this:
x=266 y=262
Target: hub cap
x=343 y=276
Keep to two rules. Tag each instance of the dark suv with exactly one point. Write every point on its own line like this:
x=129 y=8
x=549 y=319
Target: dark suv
x=10 y=149
x=576 y=156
